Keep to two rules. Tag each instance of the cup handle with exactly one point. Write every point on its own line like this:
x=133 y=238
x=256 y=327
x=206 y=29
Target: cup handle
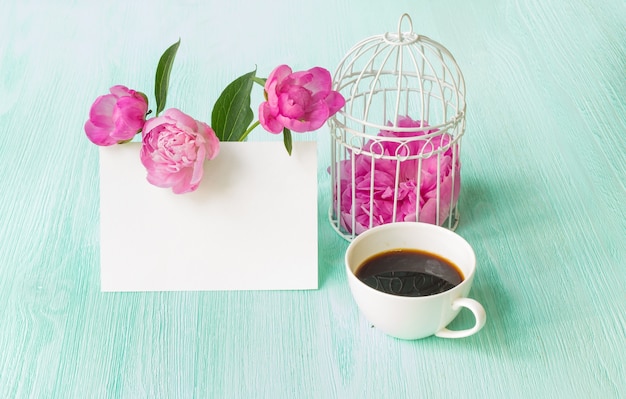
x=479 y=315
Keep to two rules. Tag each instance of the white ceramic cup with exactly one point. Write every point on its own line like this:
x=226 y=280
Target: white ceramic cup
x=414 y=317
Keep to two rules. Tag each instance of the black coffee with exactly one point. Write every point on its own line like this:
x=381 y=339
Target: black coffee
x=407 y=272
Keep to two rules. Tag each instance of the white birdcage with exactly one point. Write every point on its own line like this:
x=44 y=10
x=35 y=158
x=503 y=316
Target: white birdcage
x=395 y=152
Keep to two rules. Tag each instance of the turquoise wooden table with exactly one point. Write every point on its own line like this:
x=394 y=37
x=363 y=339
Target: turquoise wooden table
x=543 y=203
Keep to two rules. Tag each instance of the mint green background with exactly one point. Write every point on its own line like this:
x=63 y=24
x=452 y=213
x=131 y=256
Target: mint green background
x=543 y=203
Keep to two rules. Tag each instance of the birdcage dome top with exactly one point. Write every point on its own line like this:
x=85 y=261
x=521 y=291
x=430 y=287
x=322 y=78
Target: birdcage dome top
x=397 y=74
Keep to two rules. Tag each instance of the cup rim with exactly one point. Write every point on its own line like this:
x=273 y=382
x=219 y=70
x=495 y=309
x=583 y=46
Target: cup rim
x=377 y=229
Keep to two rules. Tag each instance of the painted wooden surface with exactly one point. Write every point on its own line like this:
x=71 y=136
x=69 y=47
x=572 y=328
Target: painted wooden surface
x=543 y=203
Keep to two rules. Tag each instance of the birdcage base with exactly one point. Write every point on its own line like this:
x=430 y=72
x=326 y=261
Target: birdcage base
x=451 y=223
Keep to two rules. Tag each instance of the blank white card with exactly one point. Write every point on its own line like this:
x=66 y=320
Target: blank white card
x=251 y=225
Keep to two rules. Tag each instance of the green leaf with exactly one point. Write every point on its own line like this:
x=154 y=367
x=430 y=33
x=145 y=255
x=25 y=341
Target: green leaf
x=287 y=140
x=232 y=114
x=162 y=79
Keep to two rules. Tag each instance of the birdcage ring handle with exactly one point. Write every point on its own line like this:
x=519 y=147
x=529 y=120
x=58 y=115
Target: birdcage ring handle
x=410 y=22
x=402 y=38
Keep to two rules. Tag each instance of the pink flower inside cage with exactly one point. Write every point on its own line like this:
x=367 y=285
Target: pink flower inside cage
x=399 y=177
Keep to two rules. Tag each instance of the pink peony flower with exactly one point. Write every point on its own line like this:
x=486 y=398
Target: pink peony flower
x=117 y=116
x=174 y=148
x=298 y=101
x=380 y=203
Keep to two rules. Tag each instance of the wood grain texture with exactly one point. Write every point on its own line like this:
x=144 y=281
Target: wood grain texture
x=543 y=203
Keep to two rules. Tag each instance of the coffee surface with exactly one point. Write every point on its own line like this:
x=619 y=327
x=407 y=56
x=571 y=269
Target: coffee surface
x=407 y=272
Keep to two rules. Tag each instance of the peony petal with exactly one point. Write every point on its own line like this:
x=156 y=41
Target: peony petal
x=292 y=105
x=278 y=74
x=198 y=168
x=212 y=143
x=128 y=117
x=299 y=78
x=182 y=120
x=152 y=123
x=272 y=97
x=161 y=178
x=268 y=119
x=335 y=102
x=132 y=108
x=428 y=212
x=320 y=81
x=185 y=184
x=101 y=111
x=121 y=91
x=315 y=118
x=131 y=111
x=99 y=135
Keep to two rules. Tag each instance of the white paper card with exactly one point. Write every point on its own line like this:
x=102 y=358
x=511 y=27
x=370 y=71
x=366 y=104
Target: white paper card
x=251 y=225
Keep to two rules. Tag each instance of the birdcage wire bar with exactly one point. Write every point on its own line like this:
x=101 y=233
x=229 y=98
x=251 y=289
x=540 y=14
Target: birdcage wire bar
x=386 y=79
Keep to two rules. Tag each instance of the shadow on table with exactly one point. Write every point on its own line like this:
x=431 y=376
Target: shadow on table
x=507 y=224
x=331 y=251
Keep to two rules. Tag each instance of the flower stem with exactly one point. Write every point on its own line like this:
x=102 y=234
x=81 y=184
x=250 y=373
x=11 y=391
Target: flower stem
x=250 y=129
x=260 y=81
